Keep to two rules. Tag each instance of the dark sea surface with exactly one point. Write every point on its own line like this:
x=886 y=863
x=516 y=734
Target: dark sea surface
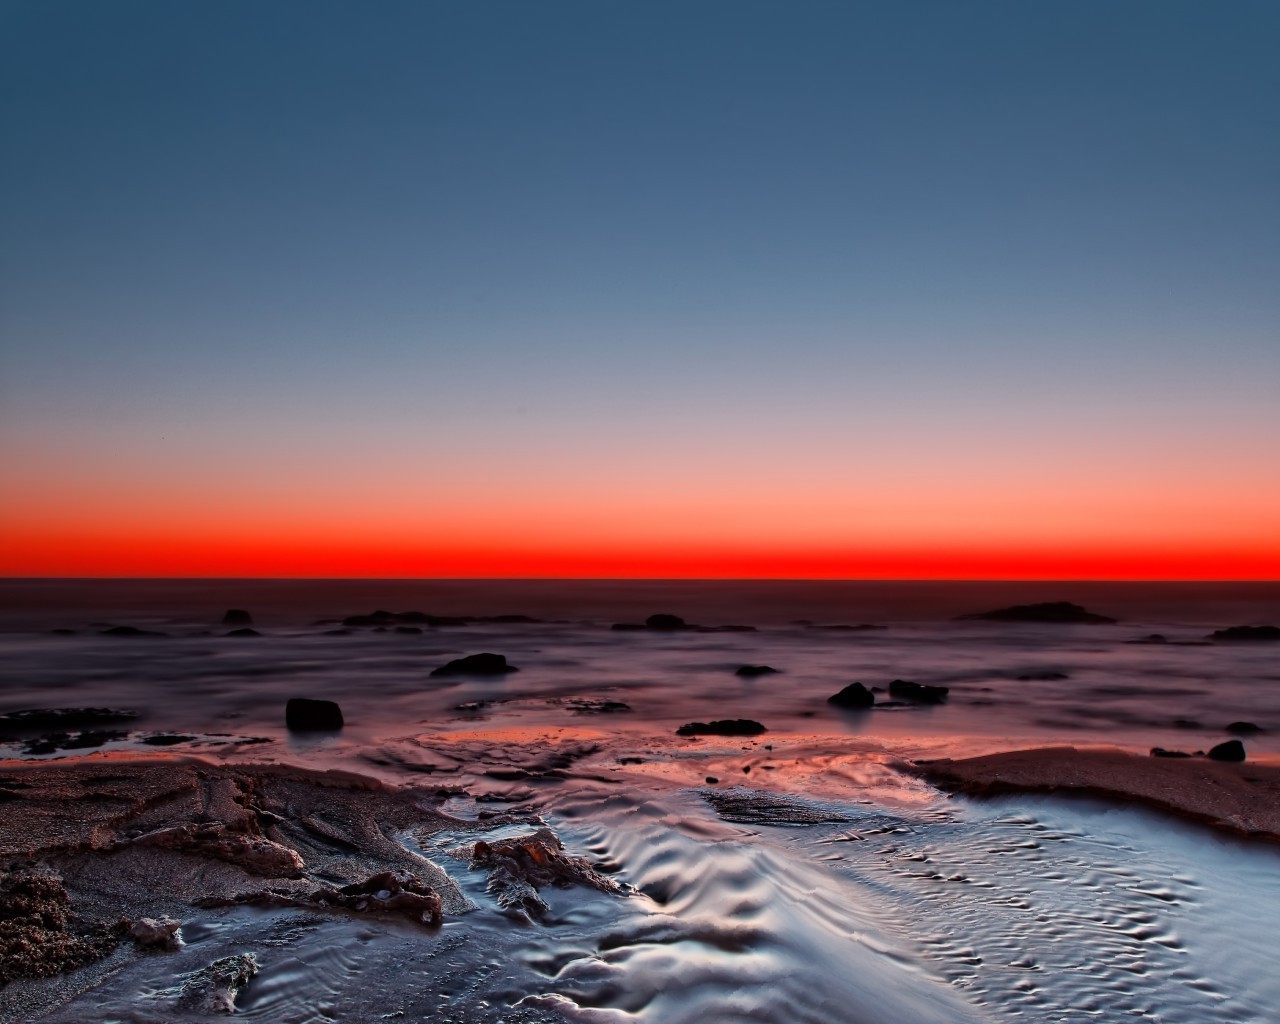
x=868 y=897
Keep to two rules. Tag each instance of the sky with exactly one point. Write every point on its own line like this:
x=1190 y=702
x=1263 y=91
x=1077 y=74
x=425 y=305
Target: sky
x=656 y=289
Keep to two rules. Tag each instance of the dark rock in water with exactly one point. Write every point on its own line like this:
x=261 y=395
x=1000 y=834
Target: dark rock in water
x=752 y=671
x=1250 y=633
x=63 y=631
x=662 y=621
x=476 y=665
x=754 y=808
x=166 y=739
x=85 y=740
x=1231 y=750
x=855 y=695
x=130 y=631
x=246 y=631
x=918 y=693
x=722 y=727
x=519 y=867
x=1244 y=729
x=583 y=706
x=1042 y=677
x=22 y=723
x=1161 y=752
x=302 y=714
x=840 y=627
x=1048 y=611
x=711 y=780
x=409 y=630
x=237 y=617
x=214 y=989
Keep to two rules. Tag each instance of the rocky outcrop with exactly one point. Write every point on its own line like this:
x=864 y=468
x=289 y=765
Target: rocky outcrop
x=1047 y=611
x=251 y=853
x=214 y=989
x=302 y=714
x=722 y=727
x=855 y=696
x=476 y=665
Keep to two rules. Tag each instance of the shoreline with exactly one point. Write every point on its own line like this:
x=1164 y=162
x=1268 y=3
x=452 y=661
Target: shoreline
x=1243 y=799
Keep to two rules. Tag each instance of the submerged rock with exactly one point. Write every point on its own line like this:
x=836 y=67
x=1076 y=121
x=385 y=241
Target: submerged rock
x=855 y=695
x=476 y=665
x=1046 y=611
x=214 y=989
x=302 y=714
x=722 y=727
x=754 y=671
x=1231 y=750
x=918 y=693
x=1250 y=633
x=237 y=617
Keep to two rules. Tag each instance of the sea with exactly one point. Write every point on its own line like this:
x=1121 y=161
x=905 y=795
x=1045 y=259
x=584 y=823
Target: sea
x=791 y=876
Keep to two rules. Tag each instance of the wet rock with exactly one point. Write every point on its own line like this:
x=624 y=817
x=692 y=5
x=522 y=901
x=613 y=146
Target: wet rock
x=1246 y=633
x=1231 y=750
x=237 y=617
x=1244 y=729
x=597 y=707
x=214 y=989
x=39 y=934
x=88 y=739
x=166 y=739
x=918 y=693
x=748 y=807
x=409 y=630
x=476 y=665
x=245 y=631
x=251 y=853
x=1047 y=611
x=1042 y=677
x=664 y=621
x=301 y=714
x=755 y=671
x=1161 y=752
x=20 y=723
x=711 y=780
x=519 y=867
x=722 y=727
x=156 y=933
x=130 y=631
x=855 y=695
x=398 y=894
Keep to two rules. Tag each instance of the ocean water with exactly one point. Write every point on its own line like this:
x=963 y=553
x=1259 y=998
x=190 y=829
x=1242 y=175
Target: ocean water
x=865 y=897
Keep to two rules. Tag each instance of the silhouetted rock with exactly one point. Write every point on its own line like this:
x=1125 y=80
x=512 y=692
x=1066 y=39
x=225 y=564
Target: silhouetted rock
x=409 y=630
x=663 y=621
x=722 y=727
x=166 y=739
x=1047 y=611
x=1231 y=750
x=917 y=693
x=1249 y=633
x=855 y=695
x=582 y=706
x=237 y=617
x=22 y=723
x=1150 y=638
x=1161 y=752
x=476 y=665
x=1244 y=729
x=130 y=631
x=1042 y=677
x=246 y=631
x=302 y=714
x=752 y=671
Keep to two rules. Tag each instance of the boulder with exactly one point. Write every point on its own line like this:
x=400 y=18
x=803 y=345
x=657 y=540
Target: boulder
x=1249 y=633
x=302 y=714
x=156 y=933
x=917 y=693
x=1047 y=611
x=476 y=665
x=753 y=671
x=237 y=617
x=722 y=727
x=1231 y=750
x=855 y=695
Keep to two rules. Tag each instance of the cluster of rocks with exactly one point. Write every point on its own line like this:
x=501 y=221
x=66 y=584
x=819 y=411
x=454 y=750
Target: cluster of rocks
x=1229 y=750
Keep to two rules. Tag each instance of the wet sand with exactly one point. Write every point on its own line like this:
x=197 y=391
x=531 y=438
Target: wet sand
x=1240 y=798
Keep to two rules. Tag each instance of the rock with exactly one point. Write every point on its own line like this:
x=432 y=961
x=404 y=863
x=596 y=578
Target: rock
x=1250 y=633
x=39 y=934
x=32 y=720
x=1150 y=638
x=1231 y=750
x=1244 y=729
x=855 y=695
x=130 y=631
x=302 y=714
x=253 y=854
x=156 y=933
x=166 y=739
x=1048 y=611
x=214 y=989
x=1161 y=752
x=917 y=692
x=519 y=867
x=662 y=621
x=1042 y=677
x=409 y=630
x=246 y=631
x=237 y=617
x=722 y=727
x=753 y=671
x=711 y=780
x=597 y=707
x=476 y=665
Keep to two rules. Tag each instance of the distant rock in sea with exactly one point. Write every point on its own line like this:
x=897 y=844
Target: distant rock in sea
x=722 y=727
x=237 y=617
x=918 y=693
x=130 y=631
x=1042 y=677
x=1231 y=750
x=1244 y=729
x=1249 y=633
x=855 y=695
x=246 y=631
x=666 y=623
x=302 y=714
x=1047 y=611
x=476 y=665
x=753 y=671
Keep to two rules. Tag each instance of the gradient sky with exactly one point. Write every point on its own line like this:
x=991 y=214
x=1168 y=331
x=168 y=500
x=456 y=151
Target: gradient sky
x=703 y=288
